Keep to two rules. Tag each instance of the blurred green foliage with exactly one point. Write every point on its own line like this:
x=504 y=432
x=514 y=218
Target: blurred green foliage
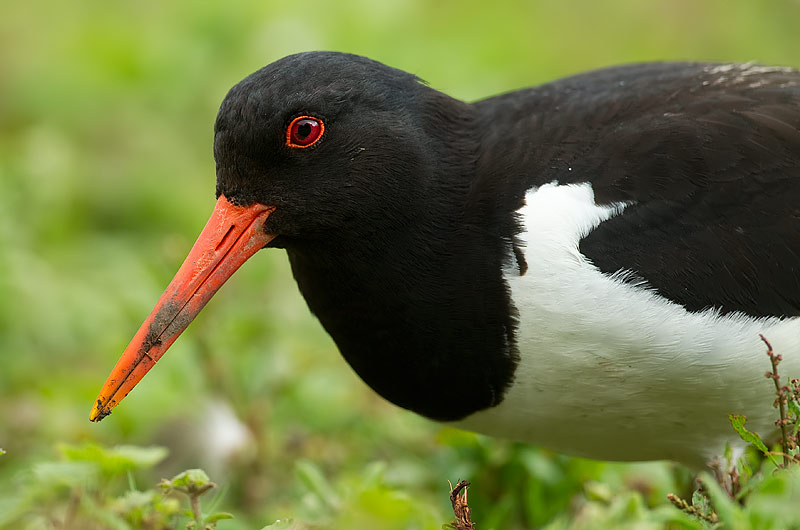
x=106 y=113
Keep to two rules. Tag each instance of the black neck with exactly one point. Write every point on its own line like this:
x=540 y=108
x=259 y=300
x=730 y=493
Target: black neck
x=416 y=303
x=426 y=327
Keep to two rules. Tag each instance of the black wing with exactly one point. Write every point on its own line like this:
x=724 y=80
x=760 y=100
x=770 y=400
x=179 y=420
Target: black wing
x=708 y=158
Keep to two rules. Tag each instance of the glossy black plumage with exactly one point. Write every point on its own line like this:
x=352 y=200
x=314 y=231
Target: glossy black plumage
x=400 y=223
x=376 y=223
x=707 y=155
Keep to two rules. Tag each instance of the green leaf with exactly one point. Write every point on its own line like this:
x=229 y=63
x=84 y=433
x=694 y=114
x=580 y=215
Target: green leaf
x=138 y=506
x=372 y=476
x=794 y=411
x=700 y=502
x=96 y=510
x=192 y=482
x=114 y=460
x=794 y=408
x=730 y=513
x=316 y=483
x=598 y=491
x=141 y=457
x=738 y=421
x=191 y=477
x=1 y=451
x=213 y=518
x=70 y=474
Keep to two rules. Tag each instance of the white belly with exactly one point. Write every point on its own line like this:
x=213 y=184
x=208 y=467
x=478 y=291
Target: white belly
x=611 y=370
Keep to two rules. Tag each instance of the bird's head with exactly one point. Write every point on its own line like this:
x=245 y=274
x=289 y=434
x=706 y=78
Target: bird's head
x=314 y=150
x=327 y=139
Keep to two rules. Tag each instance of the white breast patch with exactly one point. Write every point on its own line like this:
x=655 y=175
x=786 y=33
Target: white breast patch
x=611 y=370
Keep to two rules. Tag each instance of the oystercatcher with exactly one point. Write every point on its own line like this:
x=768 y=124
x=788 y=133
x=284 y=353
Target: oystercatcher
x=586 y=265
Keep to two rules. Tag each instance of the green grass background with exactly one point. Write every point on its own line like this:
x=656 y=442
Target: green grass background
x=106 y=113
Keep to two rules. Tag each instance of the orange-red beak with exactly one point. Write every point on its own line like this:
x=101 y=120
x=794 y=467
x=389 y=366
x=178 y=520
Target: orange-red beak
x=231 y=236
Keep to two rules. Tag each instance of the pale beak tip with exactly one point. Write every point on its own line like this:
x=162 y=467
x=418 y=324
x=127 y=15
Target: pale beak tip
x=99 y=412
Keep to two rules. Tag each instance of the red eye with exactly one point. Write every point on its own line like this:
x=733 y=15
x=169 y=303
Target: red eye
x=304 y=131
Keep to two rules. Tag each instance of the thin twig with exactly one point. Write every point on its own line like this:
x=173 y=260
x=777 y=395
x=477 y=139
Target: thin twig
x=775 y=359
x=460 y=508
x=795 y=459
x=727 y=477
x=72 y=508
x=691 y=510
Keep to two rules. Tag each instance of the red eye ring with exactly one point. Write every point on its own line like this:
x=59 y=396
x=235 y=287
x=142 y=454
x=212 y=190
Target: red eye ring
x=304 y=131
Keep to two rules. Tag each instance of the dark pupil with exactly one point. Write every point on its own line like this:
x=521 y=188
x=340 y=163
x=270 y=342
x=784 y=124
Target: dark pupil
x=303 y=130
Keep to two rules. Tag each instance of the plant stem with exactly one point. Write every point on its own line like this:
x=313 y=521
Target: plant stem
x=72 y=509
x=198 y=514
x=775 y=359
x=462 y=511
